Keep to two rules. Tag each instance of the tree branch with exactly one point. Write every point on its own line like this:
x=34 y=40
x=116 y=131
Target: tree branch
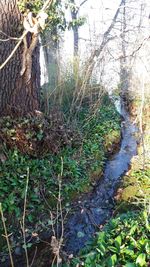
x=91 y=62
x=8 y=37
x=83 y=3
x=106 y=39
x=45 y=6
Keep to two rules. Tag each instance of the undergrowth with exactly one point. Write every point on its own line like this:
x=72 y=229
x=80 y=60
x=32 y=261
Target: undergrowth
x=82 y=163
x=124 y=240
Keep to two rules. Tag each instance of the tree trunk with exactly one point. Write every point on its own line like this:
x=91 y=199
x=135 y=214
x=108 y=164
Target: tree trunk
x=74 y=16
x=123 y=61
x=50 y=53
x=17 y=97
x=76 y=40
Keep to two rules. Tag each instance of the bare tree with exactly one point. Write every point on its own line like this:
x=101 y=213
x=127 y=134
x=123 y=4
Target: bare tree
x=75 y=27
x=90 y=64
x=124 y=72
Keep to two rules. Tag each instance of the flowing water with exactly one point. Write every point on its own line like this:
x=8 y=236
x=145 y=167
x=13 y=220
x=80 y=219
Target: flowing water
x=97 y=207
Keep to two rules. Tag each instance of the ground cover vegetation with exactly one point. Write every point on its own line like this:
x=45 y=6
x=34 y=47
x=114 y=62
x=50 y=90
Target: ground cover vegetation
x=35 y=146
x=40 y=145
x=64 y=148
x=124 y=240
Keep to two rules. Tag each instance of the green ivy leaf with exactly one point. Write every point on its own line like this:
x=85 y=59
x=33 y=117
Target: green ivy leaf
x=112 y=260
x=141 y=260
x=118 y=242
x=147 y=248
x=113 y=249
x=128 y=251
x=101 y=249
x=129 y=264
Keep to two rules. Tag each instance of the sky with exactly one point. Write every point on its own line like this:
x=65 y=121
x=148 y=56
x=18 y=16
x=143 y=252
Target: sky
x=99 y=14
x=95 y=12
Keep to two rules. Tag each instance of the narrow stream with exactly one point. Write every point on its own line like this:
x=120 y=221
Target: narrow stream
x=97 y=206
x=97 y=209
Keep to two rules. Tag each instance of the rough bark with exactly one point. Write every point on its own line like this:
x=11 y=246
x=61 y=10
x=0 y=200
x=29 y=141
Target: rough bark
x=17 y=97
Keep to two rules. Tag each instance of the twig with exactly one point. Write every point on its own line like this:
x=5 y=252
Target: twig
x=8 y=37
x=56 y=242
x=54 y=260
x=84 y=1
x=141 y=121
x=60 y=201
x=6 y=235
x=46 y=5
x=23 y=219
x=35 y=252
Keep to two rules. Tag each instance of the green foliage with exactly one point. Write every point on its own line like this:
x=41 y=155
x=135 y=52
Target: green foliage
x=123 y=242
x=35 y=5
x=56 y=15
x=79 y=164
x=77 y=23
x=37 y=136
